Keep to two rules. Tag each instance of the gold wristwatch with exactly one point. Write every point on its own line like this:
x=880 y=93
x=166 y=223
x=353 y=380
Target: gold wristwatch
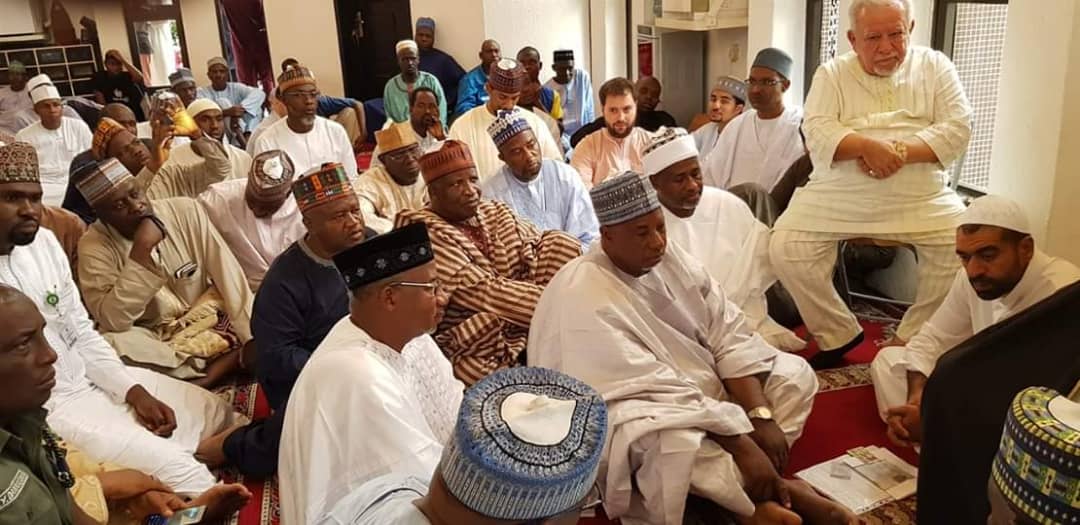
x=762 y=412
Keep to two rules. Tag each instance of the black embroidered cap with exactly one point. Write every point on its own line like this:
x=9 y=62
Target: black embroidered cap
x=385 y=255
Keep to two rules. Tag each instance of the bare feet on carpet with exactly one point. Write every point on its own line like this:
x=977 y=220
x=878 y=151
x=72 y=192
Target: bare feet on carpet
x=771 y=513
x=817 y=510
x=211 y=451
x=892 y=341
x=222 y=501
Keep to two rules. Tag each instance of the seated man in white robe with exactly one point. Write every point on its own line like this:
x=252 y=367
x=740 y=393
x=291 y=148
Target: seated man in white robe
x=56 y=137
x=535 y=413
x=698 y=403
x=504 y=85
x=548 y=193
x=210 y=119
x=717 y=229
x=310 y=140
x=1003 y=274
x=727 y=100
x=378 y=396
x=122 y=415
x=759 y=145
x=395 y=184
x=883 y=125
x=257 y=216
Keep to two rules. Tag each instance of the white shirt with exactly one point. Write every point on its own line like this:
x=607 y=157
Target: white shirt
x=963 y=314
x=733 y=246
x=472 y=129
x=326 y=142
x=41 y=271
x=360 y=410
x=755 y=150
x=255 y=242
x=239 y=159
x=923 y=99
x=555 y=200
x=55 y=149
x=706 y=138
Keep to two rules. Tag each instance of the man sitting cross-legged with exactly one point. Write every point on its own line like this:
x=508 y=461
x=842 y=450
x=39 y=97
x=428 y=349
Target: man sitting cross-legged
x=123 y=415
x=1003 y=274
x=492 y=265
x=698 y=403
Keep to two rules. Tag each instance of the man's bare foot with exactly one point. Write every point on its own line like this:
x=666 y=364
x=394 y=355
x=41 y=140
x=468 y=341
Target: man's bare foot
x=817 y=510
x=211 y=451
x=222 y=501
x=892 y=341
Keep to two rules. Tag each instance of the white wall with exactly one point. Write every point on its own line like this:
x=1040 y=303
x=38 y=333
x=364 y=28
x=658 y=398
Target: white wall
x=307 y=31
x=518 y=23
x=780 y=24
x=1035 y=159
x=19 y=17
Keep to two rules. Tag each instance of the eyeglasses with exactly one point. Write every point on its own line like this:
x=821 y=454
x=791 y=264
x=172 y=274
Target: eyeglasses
x=765 y=82
x=432 y=286
x=303 y=94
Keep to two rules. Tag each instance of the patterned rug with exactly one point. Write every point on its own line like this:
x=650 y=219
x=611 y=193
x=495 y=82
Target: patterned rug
x=264 y=507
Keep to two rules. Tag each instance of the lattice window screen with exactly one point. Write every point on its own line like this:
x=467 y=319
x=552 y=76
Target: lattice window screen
x=830 y=29
x=978 y=44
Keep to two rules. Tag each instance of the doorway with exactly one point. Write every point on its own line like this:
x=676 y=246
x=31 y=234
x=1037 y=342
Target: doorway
x=368 y=30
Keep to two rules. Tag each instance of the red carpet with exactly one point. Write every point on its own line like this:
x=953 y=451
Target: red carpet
x=844 y=417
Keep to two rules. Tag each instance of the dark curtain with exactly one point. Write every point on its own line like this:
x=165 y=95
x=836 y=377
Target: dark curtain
x=250 y=47
x=969 y=393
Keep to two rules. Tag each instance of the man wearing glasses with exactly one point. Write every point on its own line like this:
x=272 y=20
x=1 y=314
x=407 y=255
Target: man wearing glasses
x=377 y=396
x=310 y=140
x=759 y=145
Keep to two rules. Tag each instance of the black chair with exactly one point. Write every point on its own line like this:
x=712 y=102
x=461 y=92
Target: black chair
x=965 y=402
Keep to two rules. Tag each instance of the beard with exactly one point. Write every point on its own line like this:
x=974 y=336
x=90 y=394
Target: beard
x=23 y=238
x=617 y=134
x=991 y=289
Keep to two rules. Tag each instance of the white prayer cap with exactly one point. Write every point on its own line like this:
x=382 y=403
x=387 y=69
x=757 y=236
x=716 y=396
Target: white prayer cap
x=406 y=44
x=201 y=104
x=41 y=88
x=666 y=147
x=995 y=210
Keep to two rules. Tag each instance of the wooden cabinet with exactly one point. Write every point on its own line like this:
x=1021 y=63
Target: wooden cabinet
x=69 y=67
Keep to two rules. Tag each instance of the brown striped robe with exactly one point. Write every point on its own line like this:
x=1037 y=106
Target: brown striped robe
x=491 y=300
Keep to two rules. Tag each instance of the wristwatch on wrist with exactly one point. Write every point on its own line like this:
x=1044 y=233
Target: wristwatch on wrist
x=763 y=412
x=901 y=149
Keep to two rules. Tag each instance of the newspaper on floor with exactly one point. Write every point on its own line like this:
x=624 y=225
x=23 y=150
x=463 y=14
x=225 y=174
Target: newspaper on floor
x=863 y=479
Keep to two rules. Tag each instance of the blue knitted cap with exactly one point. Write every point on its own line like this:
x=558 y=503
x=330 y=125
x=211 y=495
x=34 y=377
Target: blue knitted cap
x=508 y=124
x=622 y=198
x=527 y=444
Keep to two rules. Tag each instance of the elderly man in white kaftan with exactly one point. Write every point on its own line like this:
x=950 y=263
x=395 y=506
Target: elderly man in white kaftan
x=377 y=396
x=883 y=123
x=718 y=229
x=504 y=86
x=642 y=322
x=1004 y=274
x=122 y=415
x=758 y=146
x=257 y=216
x=548 y=193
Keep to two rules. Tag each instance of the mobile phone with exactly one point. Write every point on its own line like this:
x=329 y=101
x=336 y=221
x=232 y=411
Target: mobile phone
x=181 y=517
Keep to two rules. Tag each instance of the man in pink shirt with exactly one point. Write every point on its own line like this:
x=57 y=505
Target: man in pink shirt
x=616 y=148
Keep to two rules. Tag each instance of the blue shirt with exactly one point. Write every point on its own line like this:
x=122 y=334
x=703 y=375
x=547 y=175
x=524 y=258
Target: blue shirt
x=555 y=200
x=471 y=92
x=329 y=106
x=577 y=101
x=446 y=69
x=299 y=301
